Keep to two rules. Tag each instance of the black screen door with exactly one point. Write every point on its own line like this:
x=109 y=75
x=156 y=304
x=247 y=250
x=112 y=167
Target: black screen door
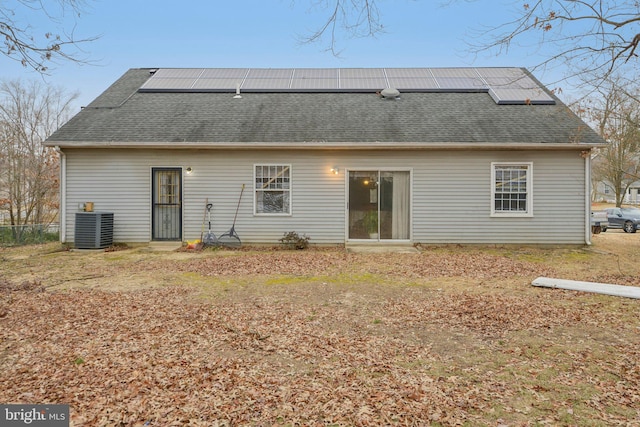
x=167 y=204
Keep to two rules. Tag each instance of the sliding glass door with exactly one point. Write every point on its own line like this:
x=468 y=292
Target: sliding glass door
x=379 y=205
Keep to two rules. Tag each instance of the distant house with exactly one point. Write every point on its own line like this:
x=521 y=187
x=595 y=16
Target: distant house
x=381 y=155
x=603 y=191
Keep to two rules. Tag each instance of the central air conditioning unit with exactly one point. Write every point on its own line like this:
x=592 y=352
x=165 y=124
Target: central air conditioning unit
x=94 y=230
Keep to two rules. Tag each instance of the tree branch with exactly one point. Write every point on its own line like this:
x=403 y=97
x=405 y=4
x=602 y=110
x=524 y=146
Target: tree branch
x=348 y=18
x=590 y=37
x=38 y=53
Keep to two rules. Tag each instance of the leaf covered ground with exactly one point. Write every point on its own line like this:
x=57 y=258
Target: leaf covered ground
x=448 y=336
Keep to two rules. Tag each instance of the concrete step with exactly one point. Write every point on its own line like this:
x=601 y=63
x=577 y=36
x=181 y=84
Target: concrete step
x=379 y=248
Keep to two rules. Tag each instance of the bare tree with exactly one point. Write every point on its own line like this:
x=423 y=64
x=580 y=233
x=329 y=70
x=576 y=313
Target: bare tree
x=38 y=48
x=29 y=113
x=616 y=115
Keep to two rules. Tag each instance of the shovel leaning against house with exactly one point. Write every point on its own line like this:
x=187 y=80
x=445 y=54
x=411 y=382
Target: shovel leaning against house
x=209 y=239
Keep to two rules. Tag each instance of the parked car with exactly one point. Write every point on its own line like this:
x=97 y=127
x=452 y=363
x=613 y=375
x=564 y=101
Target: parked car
x=626 y=218
x=599 y=222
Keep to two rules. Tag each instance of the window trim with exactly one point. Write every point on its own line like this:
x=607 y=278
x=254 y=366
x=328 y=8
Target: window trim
x=529 y=199
x=255 y=190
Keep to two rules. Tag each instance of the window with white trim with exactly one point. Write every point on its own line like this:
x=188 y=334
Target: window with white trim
x=511 y=189
x=272 y=188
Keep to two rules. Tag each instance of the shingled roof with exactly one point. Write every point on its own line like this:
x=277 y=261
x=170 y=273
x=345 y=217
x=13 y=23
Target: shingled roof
x=124 y=115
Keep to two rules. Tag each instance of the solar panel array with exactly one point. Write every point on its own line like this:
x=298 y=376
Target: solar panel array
x=505 y=85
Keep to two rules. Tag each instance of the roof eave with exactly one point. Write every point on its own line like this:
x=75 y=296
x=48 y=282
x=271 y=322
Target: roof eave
x=315 y=145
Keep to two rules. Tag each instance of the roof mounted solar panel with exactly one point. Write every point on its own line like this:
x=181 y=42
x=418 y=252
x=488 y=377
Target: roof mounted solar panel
x=503 y=72
x=313 y=84
x=518 y=83
x=178 y=73
x=267 y=84
x=372 y=83
x=504 y=85
x=514 y=86
x=413 y=83
x=172 y=79
x=316 y=73
x=270 y=73
x=408 y=73
x=461 y=83
x=212 y=84
x=453 y=72
x=224 y=73
x=361 y=73
x=168 y=84
x=508 y=96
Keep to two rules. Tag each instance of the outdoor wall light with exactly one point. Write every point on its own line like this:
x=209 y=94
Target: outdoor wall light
x=335 y=170
x=189 y=170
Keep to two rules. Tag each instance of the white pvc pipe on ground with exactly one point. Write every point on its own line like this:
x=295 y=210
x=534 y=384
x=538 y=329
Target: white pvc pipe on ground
x=598 y=288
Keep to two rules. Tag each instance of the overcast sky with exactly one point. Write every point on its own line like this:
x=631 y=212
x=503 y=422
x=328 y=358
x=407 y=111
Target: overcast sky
x=263 y=33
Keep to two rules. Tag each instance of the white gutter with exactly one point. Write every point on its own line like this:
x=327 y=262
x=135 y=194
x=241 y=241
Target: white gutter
x=62 y=212
x=598 y=288
x=587 y=197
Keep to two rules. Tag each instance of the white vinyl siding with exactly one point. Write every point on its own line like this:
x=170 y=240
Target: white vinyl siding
x=452 y=199
x=450 y=194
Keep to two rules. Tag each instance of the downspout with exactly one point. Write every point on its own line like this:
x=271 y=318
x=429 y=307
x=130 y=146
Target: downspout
x=587 y=196
x=63 y=195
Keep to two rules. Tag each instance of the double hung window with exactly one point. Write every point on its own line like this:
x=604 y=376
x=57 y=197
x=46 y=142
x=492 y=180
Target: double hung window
x=272 y=188
x=511 y=189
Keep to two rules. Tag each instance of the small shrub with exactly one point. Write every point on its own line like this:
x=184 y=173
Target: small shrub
x=293 y=240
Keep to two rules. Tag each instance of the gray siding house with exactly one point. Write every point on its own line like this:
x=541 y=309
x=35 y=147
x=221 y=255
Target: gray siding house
x=345 y=156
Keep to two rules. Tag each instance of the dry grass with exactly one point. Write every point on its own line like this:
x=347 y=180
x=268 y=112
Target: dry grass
x=450 y=336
